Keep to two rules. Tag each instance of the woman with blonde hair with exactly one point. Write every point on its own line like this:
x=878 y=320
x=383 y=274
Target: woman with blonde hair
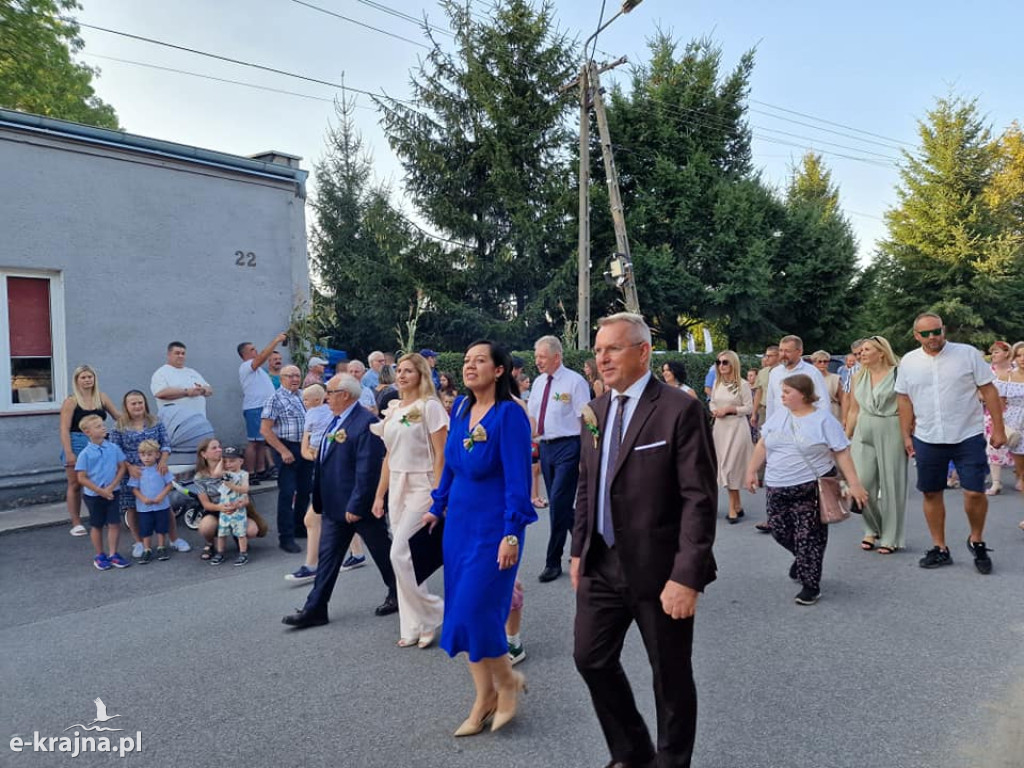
x=414 y=429
x=1002 y=363
x=873 y=423
x=1010 y=387
x=86 y=400
x=731 y=403
x=833 y=384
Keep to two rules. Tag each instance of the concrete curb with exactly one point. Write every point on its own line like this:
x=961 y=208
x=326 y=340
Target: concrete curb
x=51 y=515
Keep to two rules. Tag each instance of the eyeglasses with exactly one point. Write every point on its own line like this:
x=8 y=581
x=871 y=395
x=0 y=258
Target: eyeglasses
x=934 y=332
x=722 y=362
x=332 y=391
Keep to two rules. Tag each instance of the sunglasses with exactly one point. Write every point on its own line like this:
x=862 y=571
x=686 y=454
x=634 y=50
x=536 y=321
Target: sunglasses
x=934 y=332
x=721 y=362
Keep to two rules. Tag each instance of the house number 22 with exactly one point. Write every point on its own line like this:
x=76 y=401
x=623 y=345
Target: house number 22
x=245 y=258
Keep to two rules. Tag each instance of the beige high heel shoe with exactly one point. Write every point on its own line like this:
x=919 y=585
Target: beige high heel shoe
x=471 y=727
x=504 y=717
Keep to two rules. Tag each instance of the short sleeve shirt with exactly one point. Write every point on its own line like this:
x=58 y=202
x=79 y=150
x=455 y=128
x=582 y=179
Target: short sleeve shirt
x=794 y=441
x=317 y=421
x=943 y=389
x=568 y=395
x=288 y=413
x=405 y=434
x=773 y=395
x=99 y=462
x=184 y=378
x=151 y=485
x=257 y=387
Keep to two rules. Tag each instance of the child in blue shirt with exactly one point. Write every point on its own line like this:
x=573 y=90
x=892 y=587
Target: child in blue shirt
x=152 y=509
x=100 y=467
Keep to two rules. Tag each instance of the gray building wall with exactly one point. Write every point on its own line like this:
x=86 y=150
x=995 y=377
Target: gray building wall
x=148 y=241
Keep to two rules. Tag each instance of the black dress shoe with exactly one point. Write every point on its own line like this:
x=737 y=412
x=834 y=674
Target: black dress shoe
x=621 y=764
x=304 y=619
x=389 y=606
x=549 y=574
x=291 y=546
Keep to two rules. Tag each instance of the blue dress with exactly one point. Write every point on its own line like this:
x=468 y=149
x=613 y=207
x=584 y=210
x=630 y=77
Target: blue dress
x=484 y=494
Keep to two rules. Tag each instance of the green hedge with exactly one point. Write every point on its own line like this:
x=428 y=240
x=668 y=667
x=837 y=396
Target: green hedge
x=697 y=363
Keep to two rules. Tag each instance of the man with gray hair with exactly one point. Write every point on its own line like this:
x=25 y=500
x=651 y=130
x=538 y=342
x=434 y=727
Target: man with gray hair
x=348 y=467
x=556 y=401
x=372 y=377
x=367 y=399
x=282 y=421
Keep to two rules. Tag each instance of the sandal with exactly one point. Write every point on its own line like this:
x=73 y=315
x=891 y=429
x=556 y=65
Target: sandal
x=883 y=550
x=407 y=642
x=207 y=552
x=867 y=545
x=994 y=490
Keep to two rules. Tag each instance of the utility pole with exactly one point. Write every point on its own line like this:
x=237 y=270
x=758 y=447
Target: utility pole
x=621 y=272
x=583 y=250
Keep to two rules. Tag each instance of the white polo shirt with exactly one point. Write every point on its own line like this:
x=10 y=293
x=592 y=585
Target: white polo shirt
x=773 y=397
x=568 y=394
x=257 y=387
x=943 y=389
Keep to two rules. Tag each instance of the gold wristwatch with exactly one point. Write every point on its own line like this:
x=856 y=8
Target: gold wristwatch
x=512 y=540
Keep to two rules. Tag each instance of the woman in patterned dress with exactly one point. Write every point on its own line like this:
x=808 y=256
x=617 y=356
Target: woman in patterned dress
x=1010 y=386
x=997 y=457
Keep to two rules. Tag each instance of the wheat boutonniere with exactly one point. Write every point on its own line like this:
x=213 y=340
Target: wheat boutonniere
x=590 y=421
x=337 y=436
x=412 y=416
x=477 y=435
x=562 y=397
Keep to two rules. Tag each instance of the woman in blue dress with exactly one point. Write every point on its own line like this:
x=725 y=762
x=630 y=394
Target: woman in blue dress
x=484 y=495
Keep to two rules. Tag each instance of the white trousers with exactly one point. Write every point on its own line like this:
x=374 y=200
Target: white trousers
x=419 y=611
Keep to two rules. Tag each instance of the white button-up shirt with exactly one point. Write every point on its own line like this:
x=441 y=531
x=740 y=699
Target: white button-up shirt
x=943 y=389
x=633 y=393
x=569 y=393
x=773 y=397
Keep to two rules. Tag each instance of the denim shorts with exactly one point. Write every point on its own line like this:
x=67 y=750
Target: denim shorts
x=78 y=443
x=252 y=424
x=103 y=511
x=933 y=464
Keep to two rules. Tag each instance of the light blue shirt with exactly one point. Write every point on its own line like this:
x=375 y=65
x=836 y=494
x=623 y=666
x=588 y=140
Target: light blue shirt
x=100 y=463
x=371 y=379
x=151 y=485
x=633 y=393
x=368 y=399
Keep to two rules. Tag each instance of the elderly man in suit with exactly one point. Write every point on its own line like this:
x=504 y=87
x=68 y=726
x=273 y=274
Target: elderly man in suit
x=641 y=545
x=346 y=474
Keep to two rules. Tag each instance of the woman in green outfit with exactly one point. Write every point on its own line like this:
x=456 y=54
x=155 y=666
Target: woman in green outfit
x=877 y=446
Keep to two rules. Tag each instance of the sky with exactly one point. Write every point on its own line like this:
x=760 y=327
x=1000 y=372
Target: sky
x=871 y=69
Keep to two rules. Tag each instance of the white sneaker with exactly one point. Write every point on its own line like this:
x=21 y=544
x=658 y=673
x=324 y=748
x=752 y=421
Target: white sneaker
x=181 y=545
x=78 y=530
x=138 y=549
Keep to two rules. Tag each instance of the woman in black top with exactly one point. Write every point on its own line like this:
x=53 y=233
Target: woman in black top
x=87 y=400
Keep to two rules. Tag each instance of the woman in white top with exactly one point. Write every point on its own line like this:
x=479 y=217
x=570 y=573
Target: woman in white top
x=801 y=444
x=731 y=404
x=414 y=430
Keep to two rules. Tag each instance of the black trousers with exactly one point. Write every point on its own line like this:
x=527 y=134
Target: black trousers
x=605 y=609
x=335 y=538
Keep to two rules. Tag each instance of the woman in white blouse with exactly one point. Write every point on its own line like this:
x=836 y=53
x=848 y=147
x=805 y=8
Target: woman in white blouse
x=414 y=430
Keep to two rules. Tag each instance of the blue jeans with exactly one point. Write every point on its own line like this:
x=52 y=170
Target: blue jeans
x=294 y=483
x=560 y=466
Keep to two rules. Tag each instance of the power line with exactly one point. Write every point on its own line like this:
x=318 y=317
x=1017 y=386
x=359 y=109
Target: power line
x=218 y=79
x=360 y=23
x=830 y=122
x=230 y=60
x=405 y=16
x=597 y=34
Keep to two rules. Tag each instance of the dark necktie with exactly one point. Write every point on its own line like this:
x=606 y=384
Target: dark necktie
x=544 y=405
x=613 y=454
x=325 y=444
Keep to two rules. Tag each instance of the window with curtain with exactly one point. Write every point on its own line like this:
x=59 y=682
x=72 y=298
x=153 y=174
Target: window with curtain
x=28 y=345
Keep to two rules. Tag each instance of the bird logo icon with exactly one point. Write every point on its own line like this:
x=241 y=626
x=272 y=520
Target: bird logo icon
x=101 y=717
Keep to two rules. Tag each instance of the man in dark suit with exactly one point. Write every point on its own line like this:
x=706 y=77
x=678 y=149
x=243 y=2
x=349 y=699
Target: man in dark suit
x=641 y=545
x=345 y=479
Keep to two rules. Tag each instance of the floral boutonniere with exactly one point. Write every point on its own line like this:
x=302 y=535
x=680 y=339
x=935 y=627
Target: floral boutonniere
x=562 y=397
x=412 y=416
x=477 y=435
x=338 y=436
x=590 y=421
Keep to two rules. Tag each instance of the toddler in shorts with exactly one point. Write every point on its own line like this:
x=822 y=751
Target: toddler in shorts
x=234 y=497
x=152 y=509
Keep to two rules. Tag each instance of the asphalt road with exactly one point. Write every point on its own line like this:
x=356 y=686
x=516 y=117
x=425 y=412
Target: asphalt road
x=895 y=667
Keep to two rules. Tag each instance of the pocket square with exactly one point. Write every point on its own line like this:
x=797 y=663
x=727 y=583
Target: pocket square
x=650 y=445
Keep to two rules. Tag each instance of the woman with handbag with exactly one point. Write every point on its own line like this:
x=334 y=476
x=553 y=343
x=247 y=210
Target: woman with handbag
x=414 y=430
x=802 y=446
x=873 y=424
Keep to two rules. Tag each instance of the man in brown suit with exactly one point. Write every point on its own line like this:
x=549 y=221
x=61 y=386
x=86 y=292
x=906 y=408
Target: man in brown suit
x=641 y=545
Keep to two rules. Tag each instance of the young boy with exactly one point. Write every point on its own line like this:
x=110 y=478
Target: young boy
x=153 y=511
x=100 y=467
x=234 y=490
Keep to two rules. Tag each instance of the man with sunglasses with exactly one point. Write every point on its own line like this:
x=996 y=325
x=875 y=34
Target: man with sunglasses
x=939 y=385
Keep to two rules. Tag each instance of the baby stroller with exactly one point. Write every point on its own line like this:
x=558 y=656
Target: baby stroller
x=185 y=432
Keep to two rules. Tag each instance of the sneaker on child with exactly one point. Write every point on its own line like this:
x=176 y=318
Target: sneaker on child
x=181 y=545
x=162 y=553
x=101 y=563
x=137 y=549
x=304 y=575
x=117 y=561
x=352 y=561
x=146 y=556
x=516 y=653
x=217 y=559
x=242 y=558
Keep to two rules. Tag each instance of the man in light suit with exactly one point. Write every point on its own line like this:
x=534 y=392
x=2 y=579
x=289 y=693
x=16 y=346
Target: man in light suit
x=345 y=479
x=641 y=545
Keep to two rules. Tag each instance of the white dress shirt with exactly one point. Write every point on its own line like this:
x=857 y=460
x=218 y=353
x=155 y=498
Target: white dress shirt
x=943 y=389
x=569 y=393
x=773 y=397
x=633 y=393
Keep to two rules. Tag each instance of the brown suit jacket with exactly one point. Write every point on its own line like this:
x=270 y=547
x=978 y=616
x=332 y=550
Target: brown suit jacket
x=664 y=495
